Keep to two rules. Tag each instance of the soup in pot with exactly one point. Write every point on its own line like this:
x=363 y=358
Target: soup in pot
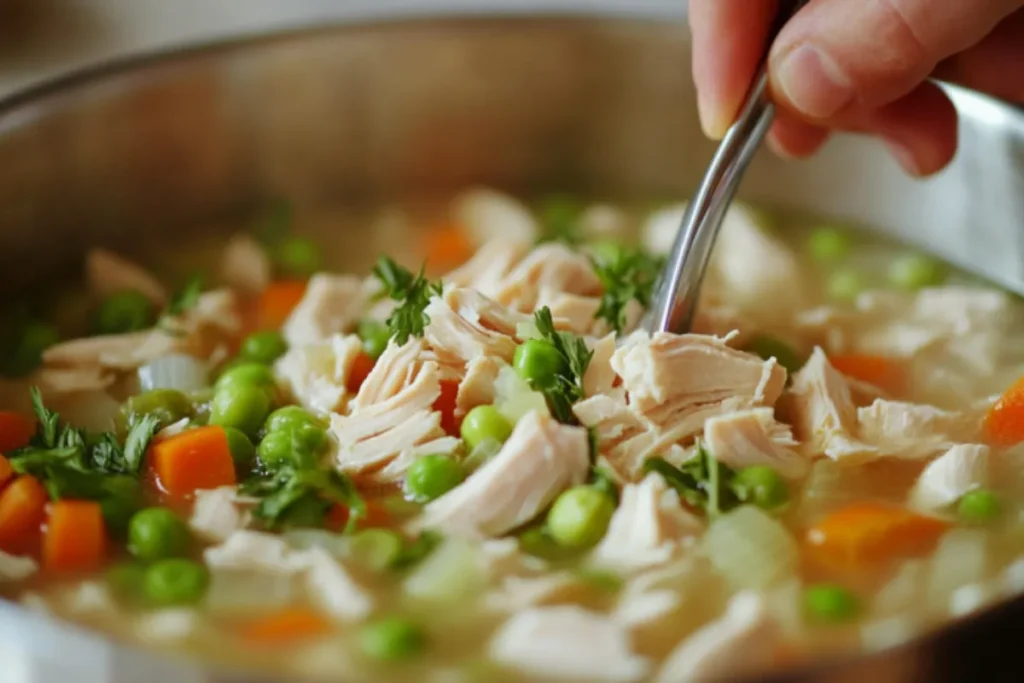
x=468 y=465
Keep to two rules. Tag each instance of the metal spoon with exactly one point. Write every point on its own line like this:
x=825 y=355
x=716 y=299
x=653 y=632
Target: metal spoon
x=675 y=299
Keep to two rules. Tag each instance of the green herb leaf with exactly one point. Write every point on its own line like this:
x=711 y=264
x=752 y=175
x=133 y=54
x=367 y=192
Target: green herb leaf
x=413 y=292
x=625 y=276
x=186 y=298
x=702 y=481
x=140 y=432
x=49 y=421
x=290 y=489
x=569 y=386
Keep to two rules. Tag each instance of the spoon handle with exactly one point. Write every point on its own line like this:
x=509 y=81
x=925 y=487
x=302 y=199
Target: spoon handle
x=675 y=300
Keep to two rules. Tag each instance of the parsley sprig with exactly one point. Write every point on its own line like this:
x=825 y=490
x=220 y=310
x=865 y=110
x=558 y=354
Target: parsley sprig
x=303 y=496
x=625 y=275
x=181 y=302
x=72 y=463
x=568 y=387
x=413 y=292
x=702 y=481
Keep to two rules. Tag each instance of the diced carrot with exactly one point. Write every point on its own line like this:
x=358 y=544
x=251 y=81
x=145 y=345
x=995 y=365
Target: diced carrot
x=22 y=511
x=361 y=367
x=6 y=472
x=15 y=430
x=277 y=302
x=1004 y=423
x=287 y=626
x=445 y=404
x=75 y=539
x=195 y=459
x=448 y=246
x=337 y=518
x=377 y=516
x=868 y=535
x=884 y=373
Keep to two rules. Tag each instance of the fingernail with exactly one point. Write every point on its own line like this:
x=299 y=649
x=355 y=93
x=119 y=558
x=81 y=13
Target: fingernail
x=713 y=120
x=814 y=83
x=904 y=155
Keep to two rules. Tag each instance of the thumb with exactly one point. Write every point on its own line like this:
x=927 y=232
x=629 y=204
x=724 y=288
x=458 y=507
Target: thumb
x=836 y=54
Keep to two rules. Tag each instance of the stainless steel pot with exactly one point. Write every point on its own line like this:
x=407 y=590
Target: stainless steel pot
x=594 y=101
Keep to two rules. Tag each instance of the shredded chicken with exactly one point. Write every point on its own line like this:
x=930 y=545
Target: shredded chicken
x=754 y=437
x=518 y=593
x=332 y=588
x=553 y=267
x=826 y=419
x=392 y=418
x=244 y=265
x=109 y=273
x=489 y=266
x=571 y=312
x=331 y=305
x=465 y=324
x=218 y=513
x=913 y=431
x=477 y=387
x=946 y=479
x=201 y=331
x=600 y=377
x=316 y=374
x=755 y=271
x=488 y=215
x=569 y=642
x=174 y=625
x=15 y=568
x=742 y=641
x=647 y=527
x=538 y=461
x=673 y=384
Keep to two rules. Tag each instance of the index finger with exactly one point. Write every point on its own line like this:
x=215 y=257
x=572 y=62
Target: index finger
x=728 y=44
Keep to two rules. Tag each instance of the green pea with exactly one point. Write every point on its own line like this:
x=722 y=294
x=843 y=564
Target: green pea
x=298 y=256
x=126 y=580
x=762 y=486
x=242 y=450
x=289 y=447
x=979 y=506
x=167 y=405
x=175 y=581
x=27 y=352
x=263 y=347
x=829 y=245
x=580 y=516
x=376 y=549
x=391 y=639
x=249 y=374
x=770 y=347
x=375 y=336
x=845 y=284
x=290 y=418
x=539 y=363
x=157 y=533
x=537 y=541
x=485 y=423
x=830 y=603
x=431 y=476
x=917 y=271
x=240 y=406
x=125 y=311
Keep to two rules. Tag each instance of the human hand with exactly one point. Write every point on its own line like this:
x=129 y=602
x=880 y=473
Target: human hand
x=861 y=66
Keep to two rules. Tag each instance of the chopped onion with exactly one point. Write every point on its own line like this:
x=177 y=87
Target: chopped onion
x=751 y=549
x=174 y=371
x=450 y=574
x=514 y=397
x=961 y=558
x=304 y=539
x=242 y=592
x=527 y=330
